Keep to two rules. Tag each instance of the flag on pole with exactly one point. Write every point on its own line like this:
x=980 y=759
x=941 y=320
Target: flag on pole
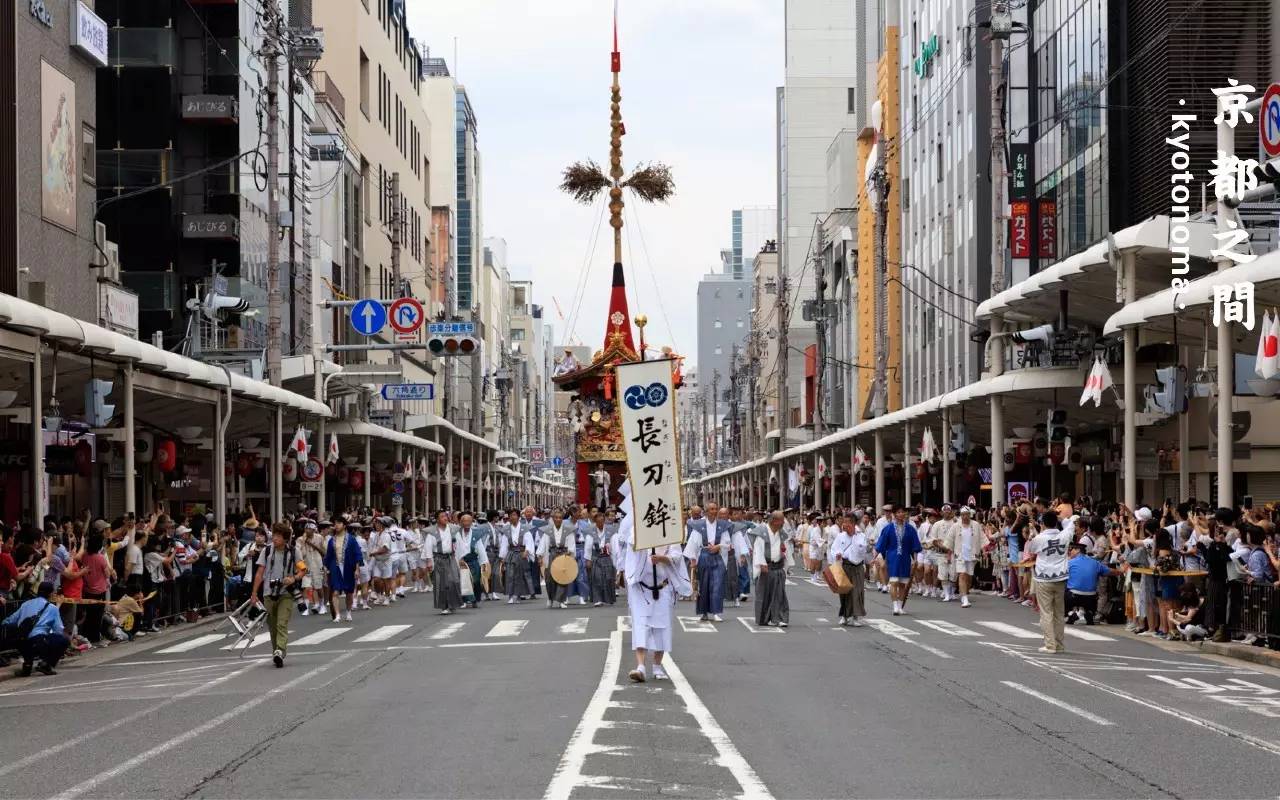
x=859 y=457
x=822 y=467
x=408 y=467
x=332 y=457
x=1268 y=359
x=928 y=449
x=422 y=468
x=298 y=447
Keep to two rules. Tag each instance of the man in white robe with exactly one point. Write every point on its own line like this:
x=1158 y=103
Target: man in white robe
x=654 y=579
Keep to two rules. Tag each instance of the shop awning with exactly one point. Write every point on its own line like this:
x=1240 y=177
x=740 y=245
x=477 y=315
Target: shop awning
x=360 y=428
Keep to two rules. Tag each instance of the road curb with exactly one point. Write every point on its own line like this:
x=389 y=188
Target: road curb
x=106 y=655
x=1256 y=655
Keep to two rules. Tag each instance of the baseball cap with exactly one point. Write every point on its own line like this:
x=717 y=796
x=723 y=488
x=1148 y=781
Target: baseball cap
x=1142 y=514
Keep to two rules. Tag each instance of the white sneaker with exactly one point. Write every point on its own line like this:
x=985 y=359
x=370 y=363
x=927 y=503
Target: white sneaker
x=324 y=609
x=564 y=605
x=597 y=604
x=511 y=601
x=306 y=612
x=737 y=604
x=841 y=621
x=855 y=622
x=347 y=617
x=582 y=601
x=659 y=674
x=964 y=601
x=717 y=618
x=897 y=608
x=445 y=613
x=783 y=624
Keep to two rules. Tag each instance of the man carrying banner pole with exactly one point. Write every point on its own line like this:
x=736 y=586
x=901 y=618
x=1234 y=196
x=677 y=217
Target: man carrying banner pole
x=653 y=527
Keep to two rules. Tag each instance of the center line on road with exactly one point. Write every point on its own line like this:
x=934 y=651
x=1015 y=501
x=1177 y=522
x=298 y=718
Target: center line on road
x=507 y=627
x=118 y=770
x=576 y=626
x=568 y=774
x=383 y=633
x=1053 y=701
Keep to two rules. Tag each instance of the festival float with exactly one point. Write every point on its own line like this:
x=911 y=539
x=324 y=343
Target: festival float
x=593 y=412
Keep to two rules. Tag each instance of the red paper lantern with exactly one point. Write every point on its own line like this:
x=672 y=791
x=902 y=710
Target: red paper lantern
x=1022 y=452
x=1057 y=452
x=166 y=458
x=921 y=471
x=244 y=465
x=290 y=470
x=357 y=479
x=331 y=471
x=84 y=459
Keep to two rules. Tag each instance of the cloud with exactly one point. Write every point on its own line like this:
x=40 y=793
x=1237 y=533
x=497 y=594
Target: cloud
x=698 y=86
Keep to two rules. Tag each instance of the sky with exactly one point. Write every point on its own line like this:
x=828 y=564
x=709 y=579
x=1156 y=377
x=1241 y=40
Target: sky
x=698 y=92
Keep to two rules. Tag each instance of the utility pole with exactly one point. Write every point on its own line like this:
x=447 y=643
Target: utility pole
x=702 y=412
x=715 y=414
x=735 y=432
x=1001 y=29
x=272 y=45
x=397 y=231
x=753 y=364
x=820 y=325
x=784 y=354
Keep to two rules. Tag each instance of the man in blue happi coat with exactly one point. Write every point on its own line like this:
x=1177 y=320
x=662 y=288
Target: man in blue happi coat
x=898 y=545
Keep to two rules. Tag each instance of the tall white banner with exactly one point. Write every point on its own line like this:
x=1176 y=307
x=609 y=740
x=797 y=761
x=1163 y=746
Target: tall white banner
x=648 y=414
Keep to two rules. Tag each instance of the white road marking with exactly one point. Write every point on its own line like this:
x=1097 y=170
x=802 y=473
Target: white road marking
x=53 y=750
x=1088 y=636
x=695 y=625
x=193 y=643
x=200 y=730
x=1053 y=701
x=948 y=628
x=1230 y=733
x=101 y=683
x=568 y=774
x=751 y=626
x=1234 y=685
x=1012 y=630
x=449 y=631
x=727 y=755
x=510 y=642
x=384 y=633
x=320 y=636
x=904 y=635
x=260 y=639
x=575 y=627
x=507 y=627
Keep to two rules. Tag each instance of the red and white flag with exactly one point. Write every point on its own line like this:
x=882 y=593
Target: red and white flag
x=422 y=468
x=1099 y=380
x=332 y=457
x=822 y=467
x=1268 y=360
x=298 y=447
x=859 y=458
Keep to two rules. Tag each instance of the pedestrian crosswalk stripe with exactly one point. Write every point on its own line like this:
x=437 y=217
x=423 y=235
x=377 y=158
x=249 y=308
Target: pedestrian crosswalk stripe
x=1088 y=636
x=383 y=633
x=892 y=628
x=949 y=628
x=508 y=627
x=322 y=635
x=448 y=631
x=695 y=625
x=751 y=626
x=1012 y=630
x=575 y=626
x=192 y=644
x=260 y=639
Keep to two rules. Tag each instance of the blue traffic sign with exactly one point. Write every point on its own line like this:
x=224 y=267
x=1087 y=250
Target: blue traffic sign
x=409 y=391
x=557 y=461
x=368 y=317
x=448 y=328
x=397 y=487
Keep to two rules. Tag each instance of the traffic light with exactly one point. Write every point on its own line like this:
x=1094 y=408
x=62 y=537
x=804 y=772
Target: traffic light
x=453 y=344
x=1171 y=397
x=1057 y=424
x=959 y=438
x=97 y=411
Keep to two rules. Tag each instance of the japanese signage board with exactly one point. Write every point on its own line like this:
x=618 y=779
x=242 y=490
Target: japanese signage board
x=89 y=33
x=648 y=418
x=1019 y=171
x=1047 y=232
x=446 y=328
x=1020 y=228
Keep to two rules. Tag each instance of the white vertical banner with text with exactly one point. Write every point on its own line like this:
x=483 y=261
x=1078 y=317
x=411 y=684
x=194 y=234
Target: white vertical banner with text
x=648 y=419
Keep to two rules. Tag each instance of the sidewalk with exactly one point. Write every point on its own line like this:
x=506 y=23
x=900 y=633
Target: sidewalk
x=104 y=655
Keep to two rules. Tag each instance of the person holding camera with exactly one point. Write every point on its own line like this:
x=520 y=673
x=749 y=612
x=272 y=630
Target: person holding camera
x=281 y=574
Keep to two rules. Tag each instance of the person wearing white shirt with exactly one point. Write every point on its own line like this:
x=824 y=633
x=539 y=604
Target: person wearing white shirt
x=364 y=573
x=814 y=549
x=882 y=569
x=965 y=542
x=927 y=586
x=849 y=550
x=604 y=576
x=444 y=557
x=741 y=567
x=530 y=525
x=704 y=548
x=471 y=545
x=1050 y=549
x=769 y=561
x=380 y=541
x=559 y=542
x=399 y=563
x=654 y=577
x=516 y=551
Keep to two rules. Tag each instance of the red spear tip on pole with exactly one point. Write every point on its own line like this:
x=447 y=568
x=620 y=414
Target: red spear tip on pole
x=616 y=61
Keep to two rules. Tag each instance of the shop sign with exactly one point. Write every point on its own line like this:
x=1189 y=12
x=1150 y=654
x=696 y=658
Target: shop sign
x=1020 y=228
x=924 y=64
x=39 y=13
x=1047 y=231
x=89 y=34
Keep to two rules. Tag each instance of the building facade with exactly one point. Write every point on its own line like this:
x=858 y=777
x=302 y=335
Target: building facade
x=751 y=227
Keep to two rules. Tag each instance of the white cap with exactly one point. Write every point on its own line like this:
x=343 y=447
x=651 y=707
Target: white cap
x=966 y=510
x=1142 y=514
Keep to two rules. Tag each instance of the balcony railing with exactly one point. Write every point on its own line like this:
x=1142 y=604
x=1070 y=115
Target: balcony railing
x=144 y=47
x=327 y=92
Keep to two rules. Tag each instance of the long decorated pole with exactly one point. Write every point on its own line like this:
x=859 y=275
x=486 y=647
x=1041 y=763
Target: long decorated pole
x=615 y=145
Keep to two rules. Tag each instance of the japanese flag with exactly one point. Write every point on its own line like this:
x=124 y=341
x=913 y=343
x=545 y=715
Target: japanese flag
x=1093 y=385
x=1268 y=361
x=422 y=468
x=332 y=456
x=298 y=447
x=859 y=457
x=928 y=450
x=408 y=467
x=822 y=467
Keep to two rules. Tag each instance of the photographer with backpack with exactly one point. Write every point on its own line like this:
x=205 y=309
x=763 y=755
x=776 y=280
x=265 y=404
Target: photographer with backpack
x=281 y=573
x=36 y=631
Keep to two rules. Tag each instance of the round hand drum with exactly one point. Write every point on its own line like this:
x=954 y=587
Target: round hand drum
x=564 y=569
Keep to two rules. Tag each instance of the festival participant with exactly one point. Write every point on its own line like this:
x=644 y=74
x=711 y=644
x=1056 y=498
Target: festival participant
x=364 y=574
x=604 y=577
x=849 y=551
x=399 y=558
x=815 y=548
x=581 y=551
x=881 y=568
x=342 y=560
x=943 y=563
x=498 y=527
x=413 y=555
x=654 y=578
x=557 y=543
x=516 y=550
x=530 y=524
x=704 y=547
x=738 y=579
x=926 y=572
x=769 y=562
x=964 y=542
x=442 y=547
x=898 y=545
x=1049 y=549
x=383 y=569
x=311 y=548
x=471 y=545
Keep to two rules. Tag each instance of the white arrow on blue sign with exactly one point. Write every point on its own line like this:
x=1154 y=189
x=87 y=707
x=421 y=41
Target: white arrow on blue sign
x=368 y=317
x=409 y=391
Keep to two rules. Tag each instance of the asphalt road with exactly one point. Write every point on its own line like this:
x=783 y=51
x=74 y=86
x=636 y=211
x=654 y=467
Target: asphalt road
x=526 y=702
